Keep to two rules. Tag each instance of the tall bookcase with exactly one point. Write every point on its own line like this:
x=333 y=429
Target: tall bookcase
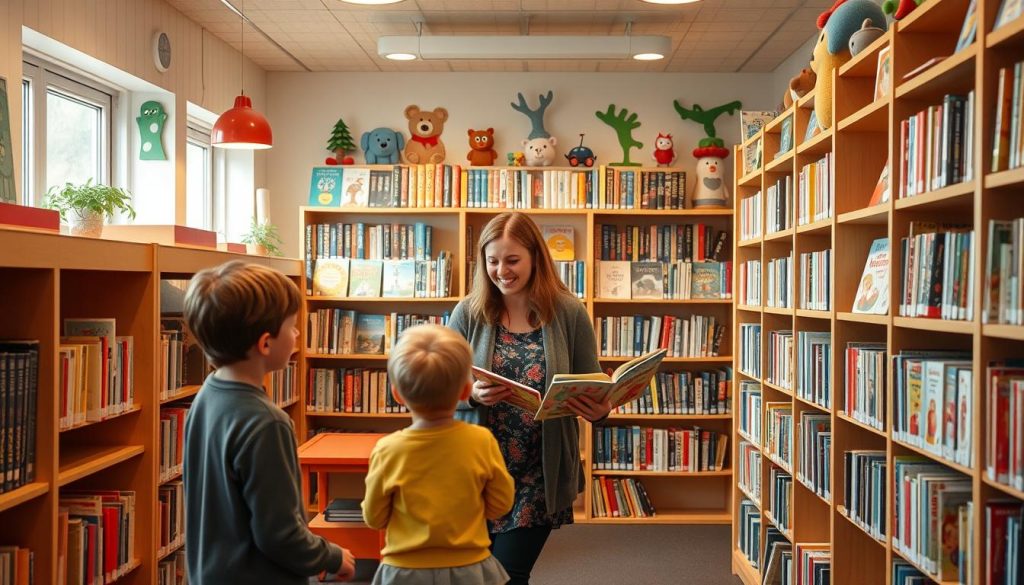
x=52 y=277
x=865 y=134
x=679 y=497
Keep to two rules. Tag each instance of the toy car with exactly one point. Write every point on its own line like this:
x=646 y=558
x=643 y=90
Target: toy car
x=581 y=155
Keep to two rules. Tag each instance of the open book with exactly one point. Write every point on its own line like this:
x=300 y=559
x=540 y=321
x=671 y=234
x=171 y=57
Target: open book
x=625 y=385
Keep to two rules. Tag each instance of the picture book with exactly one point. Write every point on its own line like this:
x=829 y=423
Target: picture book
x=881 y=192
x=706 y=281
x=364 y=278
x=370 y=334
x=325 y=187
x=751 y=122
x=355 y=187
x=330 y=277
x=873 y=291
x=883 y=73
x=613 y=277
x=624 y=385
x=646 y=280
x=559 y=239
x=969 y=29
x=786 y=136
x=812 y=126
x=399 y=278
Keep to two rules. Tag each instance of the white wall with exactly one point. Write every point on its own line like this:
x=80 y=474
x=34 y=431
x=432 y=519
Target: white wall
x=303 y=108
x=790 y=67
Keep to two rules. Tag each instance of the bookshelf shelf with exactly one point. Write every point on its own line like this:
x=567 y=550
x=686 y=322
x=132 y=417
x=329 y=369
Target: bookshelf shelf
x=78 y=461
x=1005 y=179
x=171 y=477
x=752 y=179
x=704 y=212
x=936 y=458
x=135 y=564
x=822 y=227
x=365 y=415
x=939 y=325
x=780 y=236
x=775 y=523
x=131 y=410
x=288 y=403
x=811 y=403
x=949 y=75
x=779 y=463
x=406 y=210
x=348 y=356
x=896 y=551
x=874 y=215
x=1014 y=332
x=806 y=102
x=777 y=388
x=813 y=314
x=841 y=511
x=169 y=550
x=663 y=301
x=743 y=569
x=933 y=19
x=1002 y=487
x=865 y=63
x=23 y=494
x=862 y=318
x=748 y=439
x=643 y=473
x=671 y=516
x=957 y=196
x=649 y=417
x=181 y=394
x=802 y=483
x=749 y=243
x=781 y=164
x=784 y=311
x=1010 y=35
x=818 y=144
x=749 y=308
x=873 y=117
x=749 y=496
x=672 y=360
x=850 y=420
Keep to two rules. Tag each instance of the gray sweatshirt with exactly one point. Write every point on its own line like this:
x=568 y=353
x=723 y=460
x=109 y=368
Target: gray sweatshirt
x=245 y=521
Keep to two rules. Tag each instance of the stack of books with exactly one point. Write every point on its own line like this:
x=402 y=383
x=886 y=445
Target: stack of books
x=343 y=510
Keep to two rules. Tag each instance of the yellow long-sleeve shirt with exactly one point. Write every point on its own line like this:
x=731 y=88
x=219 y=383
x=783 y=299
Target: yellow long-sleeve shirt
x=433 y=489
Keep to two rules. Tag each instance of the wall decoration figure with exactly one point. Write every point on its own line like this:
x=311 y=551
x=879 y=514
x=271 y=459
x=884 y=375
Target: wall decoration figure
x=7 y=194
x=539 y=146
x=481 y=148
x=425 y=128
x=151 y=121
x=339 y=143
x=711 y=189
x=623 y=123
x=382 y=146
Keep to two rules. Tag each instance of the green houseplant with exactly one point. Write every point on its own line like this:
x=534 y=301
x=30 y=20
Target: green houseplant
x=85 y=207
x=262 y=238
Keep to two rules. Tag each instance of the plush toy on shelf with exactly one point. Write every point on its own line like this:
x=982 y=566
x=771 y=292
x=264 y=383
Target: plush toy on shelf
x=581 y=155
x=664 y=153
x=832 y=50
x=481 y=148
x=799 y=85
x=425 y=127
x=899 y=9
x=540 y=144
x=516 y=159
x=339 y=143
x=711 y=190
x=382 y=146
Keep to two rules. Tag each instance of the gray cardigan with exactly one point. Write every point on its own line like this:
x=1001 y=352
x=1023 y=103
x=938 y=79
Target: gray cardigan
x=570 y=347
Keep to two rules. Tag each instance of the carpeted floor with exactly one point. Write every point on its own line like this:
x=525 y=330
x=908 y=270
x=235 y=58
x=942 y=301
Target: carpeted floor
x=642 y=555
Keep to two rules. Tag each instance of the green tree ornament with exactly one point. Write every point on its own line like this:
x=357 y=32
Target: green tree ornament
x=624 y=123
x=340 y=141
x=707 y=118
x=151 y=120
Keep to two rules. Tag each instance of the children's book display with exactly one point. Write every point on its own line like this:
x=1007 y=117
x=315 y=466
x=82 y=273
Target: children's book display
x=873 y=292
x=624 y=385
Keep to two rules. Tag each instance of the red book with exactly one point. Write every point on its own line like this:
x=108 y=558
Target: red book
x=996 y=516
x=111 y=539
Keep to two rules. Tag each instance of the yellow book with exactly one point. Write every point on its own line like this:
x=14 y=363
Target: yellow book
x=464 y=184
x=421 y=185
x=559 y=240
x=601 y=194
x=428 y=187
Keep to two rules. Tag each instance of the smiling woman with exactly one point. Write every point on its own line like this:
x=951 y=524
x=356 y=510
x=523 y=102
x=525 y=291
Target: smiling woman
x=523 y=324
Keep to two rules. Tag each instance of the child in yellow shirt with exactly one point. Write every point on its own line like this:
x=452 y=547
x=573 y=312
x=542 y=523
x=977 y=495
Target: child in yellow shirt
x=433 y=484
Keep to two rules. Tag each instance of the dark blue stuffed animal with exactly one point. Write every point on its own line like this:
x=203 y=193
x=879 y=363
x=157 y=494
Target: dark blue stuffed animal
x=382 y=146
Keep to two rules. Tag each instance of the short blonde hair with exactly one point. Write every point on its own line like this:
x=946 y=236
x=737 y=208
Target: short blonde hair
x=429 y=366
x=228 y=308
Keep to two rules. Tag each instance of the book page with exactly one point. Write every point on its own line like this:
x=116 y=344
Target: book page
x=522 y=396
x=627 y=383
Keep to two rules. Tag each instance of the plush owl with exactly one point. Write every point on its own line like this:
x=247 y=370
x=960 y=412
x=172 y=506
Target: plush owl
x=151 y=120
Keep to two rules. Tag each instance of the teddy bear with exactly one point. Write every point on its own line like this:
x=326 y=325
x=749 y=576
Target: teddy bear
x=540 y=152
x=382 y=146
x=799 y=85
x=425 y=126
x=481 y=145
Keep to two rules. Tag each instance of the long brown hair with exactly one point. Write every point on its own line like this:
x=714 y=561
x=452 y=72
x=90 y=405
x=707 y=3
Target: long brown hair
x=544 y=286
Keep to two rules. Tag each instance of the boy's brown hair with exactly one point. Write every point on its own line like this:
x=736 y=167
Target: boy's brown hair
x=228 y=308
x=429 y=366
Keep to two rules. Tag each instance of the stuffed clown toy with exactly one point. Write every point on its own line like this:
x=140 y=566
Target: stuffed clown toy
x=712 y=190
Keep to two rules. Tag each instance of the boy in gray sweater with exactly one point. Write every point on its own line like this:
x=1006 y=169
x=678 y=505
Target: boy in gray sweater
x=245 y=519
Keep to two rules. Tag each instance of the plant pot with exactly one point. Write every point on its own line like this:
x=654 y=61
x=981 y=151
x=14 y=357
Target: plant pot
x=85 y=223
x=256 y=250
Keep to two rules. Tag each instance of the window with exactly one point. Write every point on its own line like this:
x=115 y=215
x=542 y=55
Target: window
x=199 y=200
x=67 y=128
x=26 y=142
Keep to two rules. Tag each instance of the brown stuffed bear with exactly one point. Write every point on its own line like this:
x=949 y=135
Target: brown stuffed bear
x=481 y=144
x=425 y=145
x=801 y=83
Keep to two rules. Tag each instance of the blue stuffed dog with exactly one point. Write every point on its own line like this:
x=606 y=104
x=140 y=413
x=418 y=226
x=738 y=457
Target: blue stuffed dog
x=382 y=146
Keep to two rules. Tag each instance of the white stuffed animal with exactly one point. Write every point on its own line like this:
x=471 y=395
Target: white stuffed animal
x=540 y=152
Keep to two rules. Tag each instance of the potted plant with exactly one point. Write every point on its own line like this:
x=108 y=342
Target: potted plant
x=84 y=207
x=262 y=239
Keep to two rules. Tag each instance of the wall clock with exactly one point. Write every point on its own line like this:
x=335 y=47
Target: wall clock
x=162 y=51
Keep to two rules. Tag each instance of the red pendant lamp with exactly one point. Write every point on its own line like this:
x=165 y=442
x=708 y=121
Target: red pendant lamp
x=242 y=127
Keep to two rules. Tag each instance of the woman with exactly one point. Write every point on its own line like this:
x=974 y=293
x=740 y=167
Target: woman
x=524 y=324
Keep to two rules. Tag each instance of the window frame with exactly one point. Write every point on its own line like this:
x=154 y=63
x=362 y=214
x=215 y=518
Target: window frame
x=198 y=133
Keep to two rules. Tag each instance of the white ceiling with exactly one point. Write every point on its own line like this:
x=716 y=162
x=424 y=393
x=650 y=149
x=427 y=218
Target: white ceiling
x=330 y=35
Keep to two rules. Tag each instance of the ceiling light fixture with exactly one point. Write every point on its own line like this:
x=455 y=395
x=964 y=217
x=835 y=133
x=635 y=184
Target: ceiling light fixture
x=242 y=127
x=371 y=2
x=670 y=1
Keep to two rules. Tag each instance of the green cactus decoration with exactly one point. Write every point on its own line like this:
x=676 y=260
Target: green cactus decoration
x=624 y=127
x=707 y=119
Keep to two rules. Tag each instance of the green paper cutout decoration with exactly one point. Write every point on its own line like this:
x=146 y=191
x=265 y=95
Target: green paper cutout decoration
x=151 y=120
x=707 y=119
x=624 y=123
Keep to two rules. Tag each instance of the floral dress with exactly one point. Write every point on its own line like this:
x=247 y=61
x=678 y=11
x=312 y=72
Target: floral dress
x=520 y=356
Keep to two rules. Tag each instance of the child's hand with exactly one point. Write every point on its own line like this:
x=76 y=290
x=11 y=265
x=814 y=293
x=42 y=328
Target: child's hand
x=589 y=408
x=347 y=570
x=488 y=394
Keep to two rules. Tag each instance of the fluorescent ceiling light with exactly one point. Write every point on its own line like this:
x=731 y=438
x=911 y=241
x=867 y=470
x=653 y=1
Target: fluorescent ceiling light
x=525 y=47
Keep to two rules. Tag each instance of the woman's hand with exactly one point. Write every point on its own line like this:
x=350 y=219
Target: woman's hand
x=589 y=408
x=489 y=394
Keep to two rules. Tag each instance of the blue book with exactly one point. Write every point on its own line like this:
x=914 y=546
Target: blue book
x=325 y=187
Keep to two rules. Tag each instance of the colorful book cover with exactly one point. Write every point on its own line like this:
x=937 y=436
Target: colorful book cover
x=364 y=278
x=1009 y=10
x=355 y=187
x=325 y=187
x=369 y=332
x=883 y=73
x=786 y=136
x=873 y=291
x=559 y=239
x=706 y=281
x=646 y=280
x=614 y=279
x=330 y=277
x=881 y=192
x=969 y=29
x=399 y=278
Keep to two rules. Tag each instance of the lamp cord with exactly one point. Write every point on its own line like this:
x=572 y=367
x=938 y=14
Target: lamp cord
x=241 y=61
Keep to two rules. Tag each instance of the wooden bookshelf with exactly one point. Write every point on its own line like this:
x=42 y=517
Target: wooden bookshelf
x=52 y=277
x=866 y=134
x=678 y=497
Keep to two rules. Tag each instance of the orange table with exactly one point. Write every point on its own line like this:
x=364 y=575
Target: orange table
x=329 y=453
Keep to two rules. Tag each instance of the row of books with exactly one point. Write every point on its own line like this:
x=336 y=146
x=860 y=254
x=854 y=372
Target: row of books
x=657 y=189
x=748 y=286
x=937 y=146
x=1004 y=428
x=182 y=361
x=1004 y=527
x=171 y=571
x=750 y=349
x=171 y=500
x=100 y=535
x=17 y=566
x=620 y=498
x=1008 y=140
x=751 y=219
x=367 y=241
x=779 y=205
x=283 y=388
x=172 y=440
x=95 y=377
x=864 y=383
x=748 y=469
x=636 y=448
x=362 y=390
x=635 y=335
x=624 y=280
x=19 y=398
x=339 y=277
x=1004 y=273
x=551 y=189
x=777 y=558
x=816 y=453
x=780 y=499
x=932 y=403
x=864 y=490
x=816 y=280
x=750 y=410
x=778 y=433
x=816 y=191
x=662 y=242
x=813 y=563
x=749 y=531
x=780 y=280
x=780 y=358
x=814 y=367
x=705 y=392
x=340 y=331
x=938 y=276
